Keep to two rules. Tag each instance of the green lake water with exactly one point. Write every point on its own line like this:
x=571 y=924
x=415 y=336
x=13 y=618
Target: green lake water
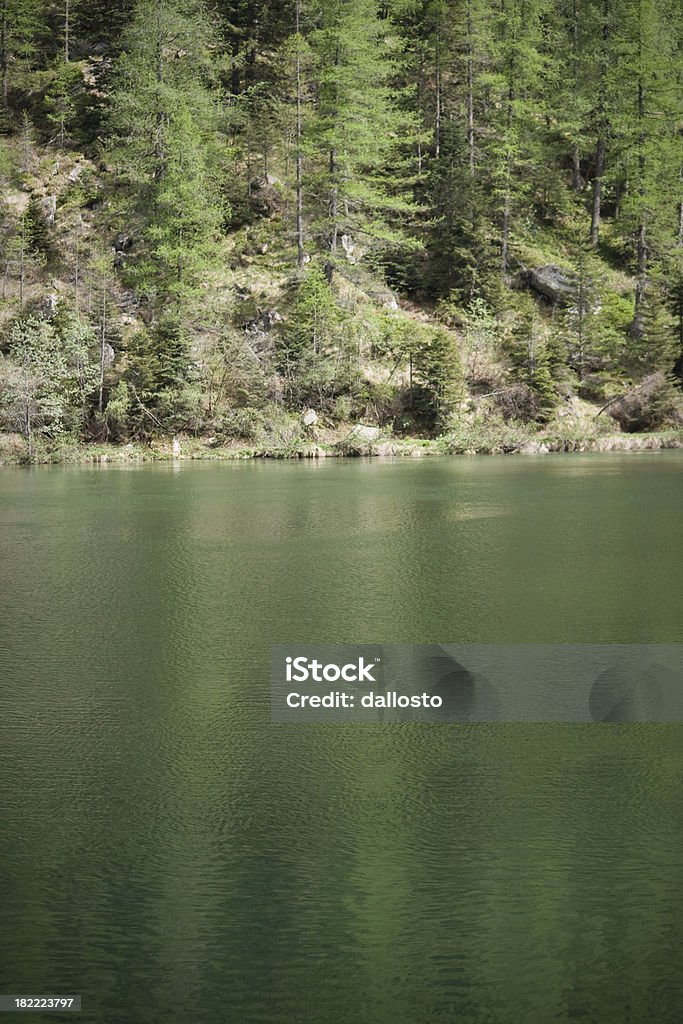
x=176 y=858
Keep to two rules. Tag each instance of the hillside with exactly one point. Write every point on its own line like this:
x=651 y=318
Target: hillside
x=340 y=228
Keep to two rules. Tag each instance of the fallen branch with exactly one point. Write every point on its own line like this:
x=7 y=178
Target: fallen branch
x=618 y=398
x=144 y=408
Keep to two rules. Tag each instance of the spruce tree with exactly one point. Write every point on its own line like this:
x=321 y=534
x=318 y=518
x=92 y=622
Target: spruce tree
x=358 y=129
x=20 y=26
x=650 y=128
x=166 y=146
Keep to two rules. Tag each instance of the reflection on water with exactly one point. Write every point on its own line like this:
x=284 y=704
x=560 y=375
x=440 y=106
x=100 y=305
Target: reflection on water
x=173 y=856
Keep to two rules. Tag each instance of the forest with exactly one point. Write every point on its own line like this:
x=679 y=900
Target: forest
x=318 y=225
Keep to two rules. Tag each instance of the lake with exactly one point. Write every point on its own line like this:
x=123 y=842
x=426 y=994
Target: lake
x=173 y=856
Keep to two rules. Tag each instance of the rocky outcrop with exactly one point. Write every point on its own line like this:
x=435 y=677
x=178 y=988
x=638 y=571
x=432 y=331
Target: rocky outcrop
x=551 y=283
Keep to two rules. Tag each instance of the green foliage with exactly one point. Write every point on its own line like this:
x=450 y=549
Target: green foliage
x=316 y=318
x=47 y=376
x=63 y=99
x=158 y=358
x=314 y=355
x=436 y=365
x=234 y=377
x=20 y=32
x=429 y=359
x=532 y=358
x=480 y=342
x=449 y=146
x=166 y=144
x=34 y=230
x=117 y=412
x=358 y=172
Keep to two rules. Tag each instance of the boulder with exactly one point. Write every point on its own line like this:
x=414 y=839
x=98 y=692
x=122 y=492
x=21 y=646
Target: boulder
x=309 y=418
x=552 y=283
x=363 y=432
x=48 y=207
x=655 y=403
x=359 y=441
x=348 y=247
x=534 y=448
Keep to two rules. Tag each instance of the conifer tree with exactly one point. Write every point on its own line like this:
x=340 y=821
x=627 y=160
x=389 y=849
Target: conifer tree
x=650 y=129
x=166 y=145
x=358 y=128
x=20 y=24
x=519 y=80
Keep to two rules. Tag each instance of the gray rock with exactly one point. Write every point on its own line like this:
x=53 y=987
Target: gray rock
x=348 y=247
x=363 y=432
x=48 y=207
x=552 y=283
x=534 y=448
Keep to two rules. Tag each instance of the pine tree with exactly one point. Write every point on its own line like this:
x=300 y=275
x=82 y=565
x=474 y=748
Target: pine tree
x=650 y=129
x=166 y=145
x=358 y=129
x=20 y=23
x=519 y=81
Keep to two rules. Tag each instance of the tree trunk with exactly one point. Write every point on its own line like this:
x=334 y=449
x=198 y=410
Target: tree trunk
x=28 y=429
x=576 y=170
x=3 y=53
x=159 y=140
x=470 y=89
x=597 y=191
x=334 y=191
x=299 y=158
x=103 y=336
x=602 y=130
x=334 y=202
x=437 y=118
x=505 y=230
x=642 y=253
